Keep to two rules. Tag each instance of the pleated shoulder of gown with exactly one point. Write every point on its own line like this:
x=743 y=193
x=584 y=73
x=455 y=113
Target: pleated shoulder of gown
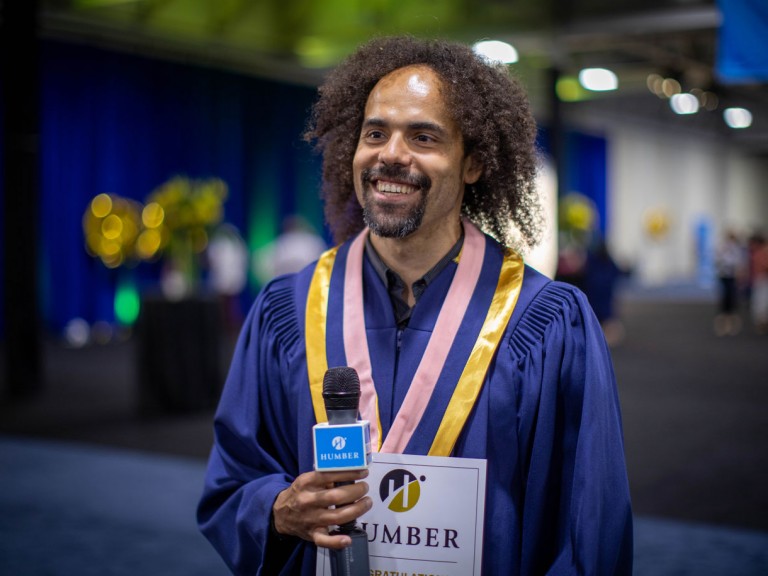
x=279 y=311
x=557 y=303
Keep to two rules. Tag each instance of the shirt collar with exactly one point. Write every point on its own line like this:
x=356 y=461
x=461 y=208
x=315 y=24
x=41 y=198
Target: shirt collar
x=395 y=284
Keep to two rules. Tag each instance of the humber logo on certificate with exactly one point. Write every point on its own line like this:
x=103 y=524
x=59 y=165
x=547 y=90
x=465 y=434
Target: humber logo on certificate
x=427 y=516
x=400 y=490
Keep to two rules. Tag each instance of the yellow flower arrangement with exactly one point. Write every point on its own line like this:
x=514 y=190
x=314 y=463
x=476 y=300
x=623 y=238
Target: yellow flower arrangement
x=577 y=222
x=111 y=225
x=174 y=223
x=577 y=213
x=656 y=223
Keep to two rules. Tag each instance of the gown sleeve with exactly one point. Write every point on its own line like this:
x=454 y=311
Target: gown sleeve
x=576 y=512
x=254 y=452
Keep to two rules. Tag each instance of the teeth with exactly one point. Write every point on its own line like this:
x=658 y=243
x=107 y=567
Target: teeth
x=394 y=188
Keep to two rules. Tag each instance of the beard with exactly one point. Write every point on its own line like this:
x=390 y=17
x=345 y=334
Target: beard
x=390 y=221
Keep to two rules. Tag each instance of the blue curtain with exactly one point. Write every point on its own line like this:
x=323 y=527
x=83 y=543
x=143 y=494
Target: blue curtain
x=2 y=215
x=587 y=171
x=125 y=124
x=586 y=168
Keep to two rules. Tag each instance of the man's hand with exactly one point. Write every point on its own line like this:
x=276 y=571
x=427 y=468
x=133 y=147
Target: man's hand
x=313 y=503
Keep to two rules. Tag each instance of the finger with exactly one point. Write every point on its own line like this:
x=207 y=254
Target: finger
x=305 y=515
x=350 y=512
x=341 y=495
x=315 y=481
x=323 y=539
x=337 y=495
x=343 y=476
x=310 y=481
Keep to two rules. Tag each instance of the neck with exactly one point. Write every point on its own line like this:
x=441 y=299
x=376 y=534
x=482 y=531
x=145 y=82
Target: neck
x=417 y=254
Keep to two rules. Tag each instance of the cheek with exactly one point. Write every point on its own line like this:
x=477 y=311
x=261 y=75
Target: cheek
x=451 y=176
x=357 y=168
x=359 y=161
x=363 y=156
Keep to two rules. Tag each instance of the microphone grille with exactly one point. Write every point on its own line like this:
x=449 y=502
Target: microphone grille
x=341 y=387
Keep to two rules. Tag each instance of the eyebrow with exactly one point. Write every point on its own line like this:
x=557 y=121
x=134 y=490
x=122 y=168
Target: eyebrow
x=429 y=126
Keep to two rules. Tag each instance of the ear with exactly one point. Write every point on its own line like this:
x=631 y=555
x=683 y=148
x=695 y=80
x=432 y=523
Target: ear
x=473 y=169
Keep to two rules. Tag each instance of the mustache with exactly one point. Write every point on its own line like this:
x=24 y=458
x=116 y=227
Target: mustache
x=398 y=173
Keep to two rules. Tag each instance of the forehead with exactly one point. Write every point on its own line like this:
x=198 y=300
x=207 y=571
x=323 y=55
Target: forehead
x=409 y=88
x=419 y=78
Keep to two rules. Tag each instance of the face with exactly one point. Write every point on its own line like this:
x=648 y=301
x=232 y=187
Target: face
x=409 y=167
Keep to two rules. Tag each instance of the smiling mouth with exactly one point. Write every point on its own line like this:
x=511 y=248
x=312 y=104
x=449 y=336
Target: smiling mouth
x=394 y=187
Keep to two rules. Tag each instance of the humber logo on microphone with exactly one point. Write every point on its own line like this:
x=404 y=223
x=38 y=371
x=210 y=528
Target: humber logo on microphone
x=339 y=442
x=341 y=447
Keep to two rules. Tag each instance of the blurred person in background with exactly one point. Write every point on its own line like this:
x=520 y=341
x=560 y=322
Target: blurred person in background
x=759 y=283
x=730 y=265
x=297 y=245
x=228 y=263
x=600 y=277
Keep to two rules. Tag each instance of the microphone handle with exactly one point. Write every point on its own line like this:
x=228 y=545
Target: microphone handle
x=338 y=416
x=353 y=560
x=347 y=527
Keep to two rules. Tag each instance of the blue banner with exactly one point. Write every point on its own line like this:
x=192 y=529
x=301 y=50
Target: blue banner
x=742 y=54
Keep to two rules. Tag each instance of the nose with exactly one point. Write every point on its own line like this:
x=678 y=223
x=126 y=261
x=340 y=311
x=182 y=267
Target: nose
x=395 y=151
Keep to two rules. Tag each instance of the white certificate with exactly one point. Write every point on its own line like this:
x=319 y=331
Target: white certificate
x=427 y=516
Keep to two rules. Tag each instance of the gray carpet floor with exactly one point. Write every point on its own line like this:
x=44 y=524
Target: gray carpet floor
x=79 y=510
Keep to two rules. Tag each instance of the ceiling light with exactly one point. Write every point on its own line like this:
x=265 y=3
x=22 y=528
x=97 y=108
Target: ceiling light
x=684 y=103
x=707 y=100
x=598 y=79
x=654 y=83
x=670 y=87
x=711 y=101
x=496 y=51
x=737 y=117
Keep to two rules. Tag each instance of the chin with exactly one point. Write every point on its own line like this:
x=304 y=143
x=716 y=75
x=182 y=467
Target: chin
x=388 y=226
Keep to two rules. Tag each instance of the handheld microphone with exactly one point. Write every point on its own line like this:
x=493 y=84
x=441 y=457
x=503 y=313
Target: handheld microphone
x=341 y=395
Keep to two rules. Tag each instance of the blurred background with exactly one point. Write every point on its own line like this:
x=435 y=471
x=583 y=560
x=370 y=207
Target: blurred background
x=153 y=178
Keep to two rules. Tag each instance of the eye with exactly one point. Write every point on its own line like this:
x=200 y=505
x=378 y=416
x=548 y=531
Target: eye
x=425 y=139
x=374 y=135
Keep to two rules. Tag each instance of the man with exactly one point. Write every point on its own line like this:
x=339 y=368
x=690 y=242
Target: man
x=423 y=143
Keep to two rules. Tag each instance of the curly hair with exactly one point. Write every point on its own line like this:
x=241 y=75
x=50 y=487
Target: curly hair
x=490 y=107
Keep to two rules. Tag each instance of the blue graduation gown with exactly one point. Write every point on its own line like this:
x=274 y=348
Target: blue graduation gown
x=547 y=420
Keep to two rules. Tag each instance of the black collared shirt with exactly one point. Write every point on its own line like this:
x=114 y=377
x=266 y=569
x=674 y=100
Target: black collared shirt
x=396 y=285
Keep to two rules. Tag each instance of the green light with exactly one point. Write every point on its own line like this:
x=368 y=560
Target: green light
x=127 y=303
x=317 y=52
x=569 y=90
x=263 y=219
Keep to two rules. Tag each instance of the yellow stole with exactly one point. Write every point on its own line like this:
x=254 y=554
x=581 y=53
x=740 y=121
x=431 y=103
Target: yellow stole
x=473 y=375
